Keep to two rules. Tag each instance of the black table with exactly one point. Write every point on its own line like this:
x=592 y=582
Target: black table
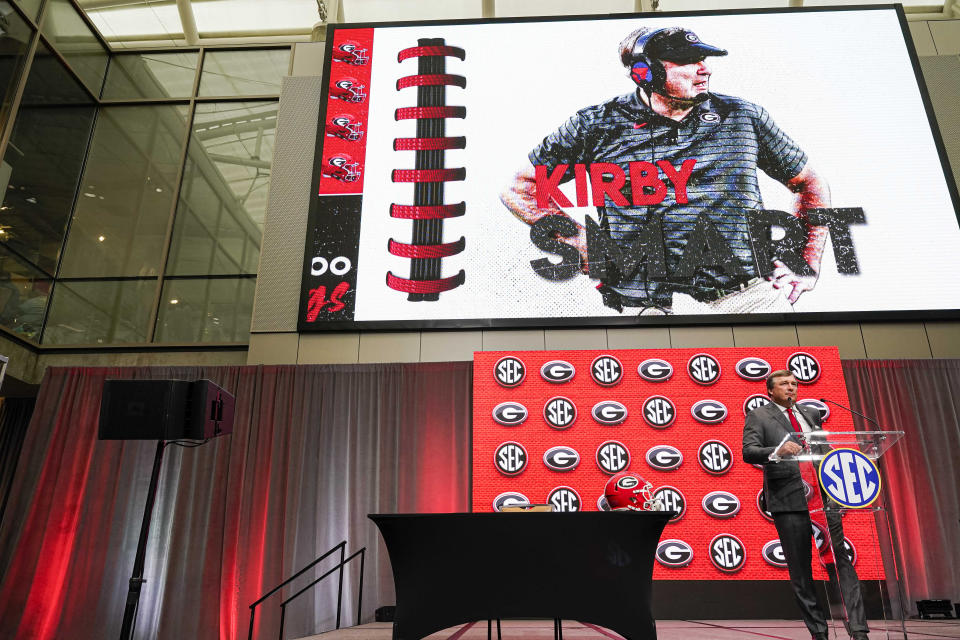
x=452 y=568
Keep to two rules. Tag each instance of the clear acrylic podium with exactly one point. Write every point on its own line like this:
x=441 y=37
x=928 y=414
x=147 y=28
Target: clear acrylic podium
x=873 y=444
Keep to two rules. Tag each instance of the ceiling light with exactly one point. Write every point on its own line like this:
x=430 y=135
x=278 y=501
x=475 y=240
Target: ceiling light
x=101 y=238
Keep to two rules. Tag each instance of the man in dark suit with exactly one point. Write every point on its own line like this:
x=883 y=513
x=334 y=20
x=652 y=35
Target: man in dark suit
x=763 y=431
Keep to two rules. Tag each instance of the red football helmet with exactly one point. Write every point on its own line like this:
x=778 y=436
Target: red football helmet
x=351 y=52
x=342 y=167
x=349 y=90
x=629 y=491
x=345 y=126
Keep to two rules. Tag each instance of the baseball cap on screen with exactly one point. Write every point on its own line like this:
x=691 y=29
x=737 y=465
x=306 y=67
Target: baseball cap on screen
x=680 y=45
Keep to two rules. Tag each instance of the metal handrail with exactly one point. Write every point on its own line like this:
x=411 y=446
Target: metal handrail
x=342 y=547
x=362 y=553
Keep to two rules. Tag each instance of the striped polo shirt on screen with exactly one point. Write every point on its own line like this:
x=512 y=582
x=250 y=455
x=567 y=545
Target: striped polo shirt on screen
x=728 y=138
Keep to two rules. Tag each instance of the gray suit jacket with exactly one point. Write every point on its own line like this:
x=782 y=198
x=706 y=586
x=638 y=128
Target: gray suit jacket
x=763 y=430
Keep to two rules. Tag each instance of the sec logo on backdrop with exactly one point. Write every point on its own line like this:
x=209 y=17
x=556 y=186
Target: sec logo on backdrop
x=659 y=412
x=559 y=412
x=805 y=368
x=703 y=368
x=655 y=370
x=613 y=457
x=727 y=553
x=715 y=457
x=673 y=500
x=755 y=401
x=606 y=370
x=510 y=458
x=509 y=371
x=564 y=499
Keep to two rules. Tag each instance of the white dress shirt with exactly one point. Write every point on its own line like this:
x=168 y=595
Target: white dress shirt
x=800 y=418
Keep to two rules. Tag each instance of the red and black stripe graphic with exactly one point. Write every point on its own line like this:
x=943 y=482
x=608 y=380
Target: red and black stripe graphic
x=429 y=174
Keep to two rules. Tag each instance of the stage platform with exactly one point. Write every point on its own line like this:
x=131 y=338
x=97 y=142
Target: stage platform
x=666 y=630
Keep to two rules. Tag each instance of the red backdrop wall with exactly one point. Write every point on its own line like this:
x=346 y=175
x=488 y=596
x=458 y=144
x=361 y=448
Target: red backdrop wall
x=696 y=527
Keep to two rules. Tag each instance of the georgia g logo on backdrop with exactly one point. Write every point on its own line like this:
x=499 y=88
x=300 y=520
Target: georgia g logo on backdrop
x=557 y=371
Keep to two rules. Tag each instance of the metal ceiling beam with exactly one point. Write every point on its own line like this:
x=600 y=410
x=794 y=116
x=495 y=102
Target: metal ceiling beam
x=189 y=22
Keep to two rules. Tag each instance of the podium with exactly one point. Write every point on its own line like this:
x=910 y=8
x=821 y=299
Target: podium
x=843 y=464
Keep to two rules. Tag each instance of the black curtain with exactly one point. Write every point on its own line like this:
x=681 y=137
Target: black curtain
x=14 y=417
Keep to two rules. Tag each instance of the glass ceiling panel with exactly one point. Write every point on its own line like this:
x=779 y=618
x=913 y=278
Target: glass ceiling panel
x=157 y=22
x=509 y=8
x=139 y=22
x=393 y=10
x=216 y=17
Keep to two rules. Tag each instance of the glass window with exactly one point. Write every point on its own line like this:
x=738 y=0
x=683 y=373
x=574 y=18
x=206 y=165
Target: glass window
x=29 y=7
x=151 y=75
x=100 y=312
x=393 y=10
x=43 y=161
x=255 y=72
x=223 y=198
x=126 y=194
x=23 y=294
x=14 y=40
x=206 y=310
x=505 y=8
x=75 y=41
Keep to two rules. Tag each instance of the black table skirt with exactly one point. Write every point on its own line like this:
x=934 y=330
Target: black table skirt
x=452 y=568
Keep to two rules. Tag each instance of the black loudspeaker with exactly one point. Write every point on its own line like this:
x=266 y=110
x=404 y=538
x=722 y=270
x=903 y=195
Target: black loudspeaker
x=931 y=608
x=384 y=614
x=164 y=410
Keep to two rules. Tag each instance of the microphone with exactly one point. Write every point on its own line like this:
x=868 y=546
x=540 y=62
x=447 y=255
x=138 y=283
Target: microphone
x=856 y=413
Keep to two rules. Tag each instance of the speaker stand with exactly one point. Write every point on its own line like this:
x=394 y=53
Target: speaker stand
x=136 y=580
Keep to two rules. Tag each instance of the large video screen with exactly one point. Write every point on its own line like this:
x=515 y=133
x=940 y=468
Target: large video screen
x=551 y=427
x=767 y=165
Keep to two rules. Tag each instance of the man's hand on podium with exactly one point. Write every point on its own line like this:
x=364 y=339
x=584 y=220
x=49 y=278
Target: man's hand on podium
x=789 y=448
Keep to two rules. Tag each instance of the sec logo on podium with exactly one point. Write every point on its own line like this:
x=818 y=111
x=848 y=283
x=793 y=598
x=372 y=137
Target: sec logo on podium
x=850 y=478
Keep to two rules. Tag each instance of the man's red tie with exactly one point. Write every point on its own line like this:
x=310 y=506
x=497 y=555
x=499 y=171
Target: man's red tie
x=814 y=502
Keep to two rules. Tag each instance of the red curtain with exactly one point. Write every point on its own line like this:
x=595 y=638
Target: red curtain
x=922 y=471
x=313 y=451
